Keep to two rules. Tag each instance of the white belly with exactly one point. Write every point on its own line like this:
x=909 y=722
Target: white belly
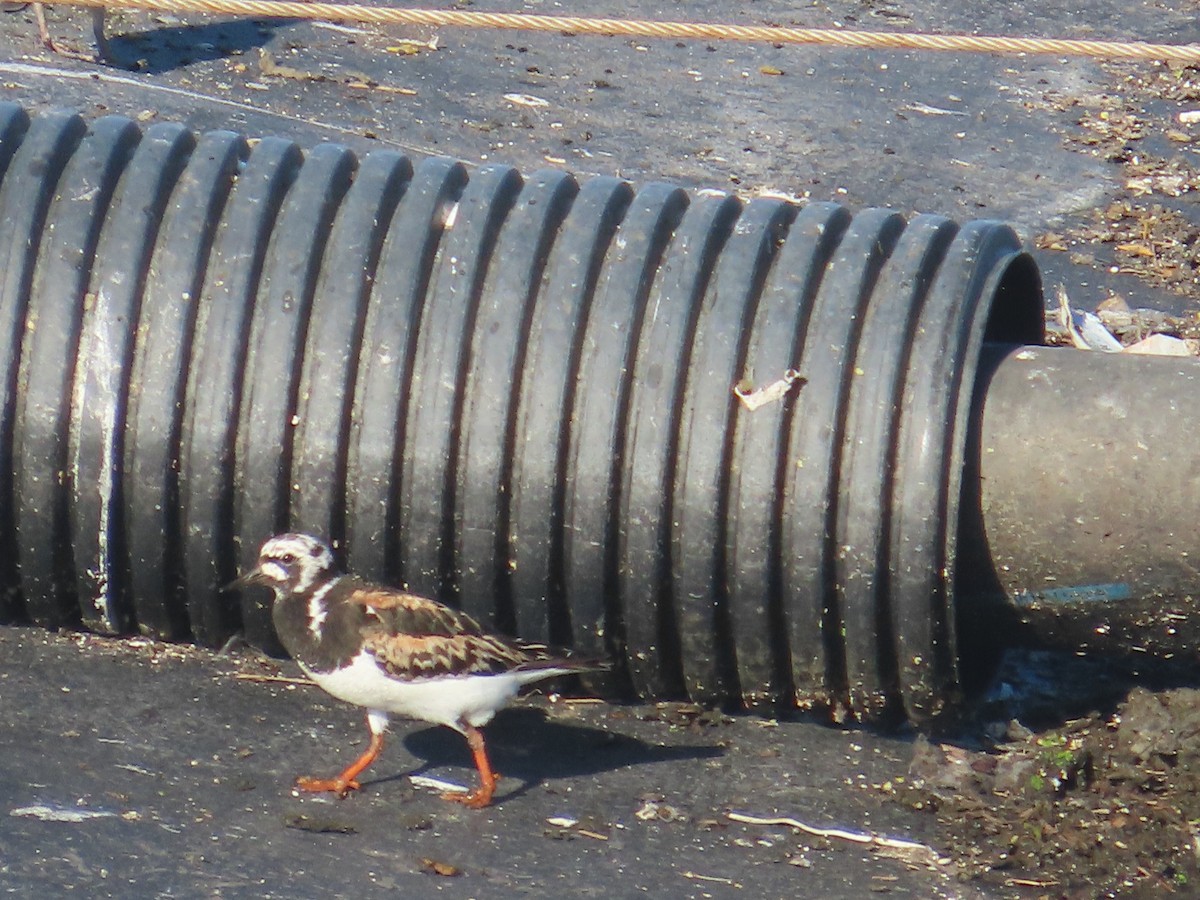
x=445 y=701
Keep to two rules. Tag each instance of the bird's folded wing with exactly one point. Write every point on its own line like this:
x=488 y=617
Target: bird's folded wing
x=411 y=657
x=399 y=612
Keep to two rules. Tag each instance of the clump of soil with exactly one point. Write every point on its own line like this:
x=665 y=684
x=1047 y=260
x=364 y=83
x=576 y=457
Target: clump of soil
x=1102 y=806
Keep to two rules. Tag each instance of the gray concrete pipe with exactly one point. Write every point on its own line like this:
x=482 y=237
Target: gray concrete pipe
x=1081 y=514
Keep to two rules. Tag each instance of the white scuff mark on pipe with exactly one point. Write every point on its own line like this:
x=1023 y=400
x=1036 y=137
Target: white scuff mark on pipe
x=95 y=393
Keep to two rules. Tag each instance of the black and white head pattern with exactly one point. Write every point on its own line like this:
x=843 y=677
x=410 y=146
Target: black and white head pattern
x=294 y=562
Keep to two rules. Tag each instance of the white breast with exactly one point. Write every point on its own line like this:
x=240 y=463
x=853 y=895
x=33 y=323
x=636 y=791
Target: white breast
x=473 y=699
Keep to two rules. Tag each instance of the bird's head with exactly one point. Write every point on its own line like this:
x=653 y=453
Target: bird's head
x=289 y=563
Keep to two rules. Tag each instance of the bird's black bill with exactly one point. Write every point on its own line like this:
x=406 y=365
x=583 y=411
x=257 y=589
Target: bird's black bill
x=250 y=579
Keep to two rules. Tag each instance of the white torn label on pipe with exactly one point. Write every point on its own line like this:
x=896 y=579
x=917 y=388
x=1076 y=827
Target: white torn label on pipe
x=756 y=398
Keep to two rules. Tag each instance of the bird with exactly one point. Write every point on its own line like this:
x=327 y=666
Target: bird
x=103 y=49
x=394 y=652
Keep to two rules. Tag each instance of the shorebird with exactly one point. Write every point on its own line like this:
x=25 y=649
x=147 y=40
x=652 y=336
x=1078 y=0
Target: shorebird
x=103 y=51
x=395 y=652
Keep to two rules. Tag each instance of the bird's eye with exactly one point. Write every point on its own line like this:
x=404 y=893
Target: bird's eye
x=288 y=558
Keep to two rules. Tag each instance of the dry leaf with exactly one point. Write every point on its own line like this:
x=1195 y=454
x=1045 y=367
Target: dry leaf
x=437 y=867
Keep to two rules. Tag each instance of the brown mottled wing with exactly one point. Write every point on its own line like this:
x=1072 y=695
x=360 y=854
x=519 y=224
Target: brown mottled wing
x=429 y=656
x=404 y=613
x=415 y=637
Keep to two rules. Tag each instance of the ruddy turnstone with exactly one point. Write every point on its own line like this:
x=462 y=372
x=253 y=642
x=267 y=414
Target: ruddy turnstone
x=103 y=50
x=395 y=652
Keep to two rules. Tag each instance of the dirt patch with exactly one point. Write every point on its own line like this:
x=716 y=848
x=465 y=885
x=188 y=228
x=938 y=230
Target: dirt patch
x=1149 y=127
x=1101 y=806
x=1156 y=243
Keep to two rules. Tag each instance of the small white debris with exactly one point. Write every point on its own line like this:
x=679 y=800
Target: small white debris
x=775 y=194
x=756 y=398
x=1189 y=117
x=562 y=821
x=926 y=110
x=1160 y=345
x=137 y=770
x=59 y=814
x=408 y=46
x=648 y=811
x=436 y=784
x=1166 y=184
x=1086 y=330
x=344 y=29
x=526 y=100
x=656 y=810
x=913 y=852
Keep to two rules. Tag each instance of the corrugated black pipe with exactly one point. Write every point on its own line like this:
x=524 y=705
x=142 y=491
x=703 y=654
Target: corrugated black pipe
x=530 y=397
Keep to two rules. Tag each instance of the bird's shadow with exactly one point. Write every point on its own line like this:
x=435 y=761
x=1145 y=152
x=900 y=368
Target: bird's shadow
x=161 y=50
x=526 y=745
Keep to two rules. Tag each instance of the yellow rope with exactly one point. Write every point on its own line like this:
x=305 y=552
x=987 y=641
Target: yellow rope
x=438 y=18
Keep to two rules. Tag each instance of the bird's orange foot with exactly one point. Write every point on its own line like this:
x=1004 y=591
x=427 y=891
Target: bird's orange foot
x=476 y=799
x=67 y=53
x=339 y=786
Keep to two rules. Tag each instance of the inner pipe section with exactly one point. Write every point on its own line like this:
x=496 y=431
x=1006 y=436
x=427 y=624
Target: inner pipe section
x=1087 y=500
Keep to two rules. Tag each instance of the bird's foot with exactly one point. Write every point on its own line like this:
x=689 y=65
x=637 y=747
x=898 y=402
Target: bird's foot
x=339 y=786
x=103 y=54
x=346 y=782
x=67 y=53
x=478 y=798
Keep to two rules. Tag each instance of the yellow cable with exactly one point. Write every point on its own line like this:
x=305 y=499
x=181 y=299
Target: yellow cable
x=438 y=18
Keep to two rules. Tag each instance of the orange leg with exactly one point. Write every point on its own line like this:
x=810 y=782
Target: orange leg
x=481 y=796
x=103 y=51
x=39 y=15
x=346 y=782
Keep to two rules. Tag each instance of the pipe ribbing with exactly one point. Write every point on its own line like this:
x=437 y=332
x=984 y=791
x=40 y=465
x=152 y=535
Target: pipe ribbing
x=721 y=442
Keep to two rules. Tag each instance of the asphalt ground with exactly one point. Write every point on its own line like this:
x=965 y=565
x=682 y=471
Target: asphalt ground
x=189 y=766
x=133 y=769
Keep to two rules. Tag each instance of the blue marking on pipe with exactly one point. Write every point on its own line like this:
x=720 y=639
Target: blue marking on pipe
x=1084 y=593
